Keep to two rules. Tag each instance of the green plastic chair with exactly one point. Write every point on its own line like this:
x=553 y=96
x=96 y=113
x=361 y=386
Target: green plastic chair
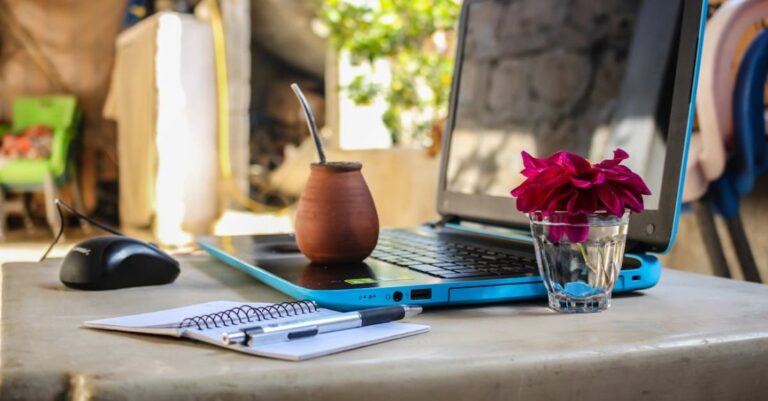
x=62 y=114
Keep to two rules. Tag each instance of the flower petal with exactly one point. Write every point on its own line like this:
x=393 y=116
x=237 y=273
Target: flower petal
x=575 y=228
x=609 y=200
x=584 y=202
x=565 y=181
x=579 y=183
x=555 y=233
x=632 y=200
x=577 y=234
x=573 y=163
x=619 y=155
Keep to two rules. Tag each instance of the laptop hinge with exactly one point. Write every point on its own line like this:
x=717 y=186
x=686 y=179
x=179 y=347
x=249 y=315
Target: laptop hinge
x=447 y=219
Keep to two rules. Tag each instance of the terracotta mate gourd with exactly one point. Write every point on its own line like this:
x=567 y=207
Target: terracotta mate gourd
x=336 y=220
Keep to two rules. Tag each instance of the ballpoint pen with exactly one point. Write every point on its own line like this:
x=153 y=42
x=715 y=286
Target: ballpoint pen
x=279 y=332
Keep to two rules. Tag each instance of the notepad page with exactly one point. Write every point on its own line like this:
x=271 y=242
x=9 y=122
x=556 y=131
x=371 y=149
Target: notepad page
x=166 y=322
x=323 y=344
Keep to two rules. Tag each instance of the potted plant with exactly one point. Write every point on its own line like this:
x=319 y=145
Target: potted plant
x=579 y=214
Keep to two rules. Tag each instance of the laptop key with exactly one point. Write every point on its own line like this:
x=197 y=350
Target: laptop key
x=449 y=259
x=465 y=274
x=425 y=268
x=448 y=265
x=439 y=273
x=409 y=263
x=464 y=269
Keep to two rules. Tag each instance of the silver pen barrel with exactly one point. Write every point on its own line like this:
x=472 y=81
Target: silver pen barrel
x=324 y=325
x=276 y=332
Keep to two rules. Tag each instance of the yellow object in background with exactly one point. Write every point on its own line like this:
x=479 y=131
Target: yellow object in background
x=222 y=91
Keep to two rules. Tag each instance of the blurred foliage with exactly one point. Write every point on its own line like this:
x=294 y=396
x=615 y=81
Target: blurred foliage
x=416 y=38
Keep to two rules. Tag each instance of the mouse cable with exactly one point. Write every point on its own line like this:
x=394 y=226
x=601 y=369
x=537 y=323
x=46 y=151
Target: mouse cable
x=59 y=204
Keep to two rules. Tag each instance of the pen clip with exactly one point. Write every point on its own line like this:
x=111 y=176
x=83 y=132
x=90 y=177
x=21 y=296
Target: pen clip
x=281 y=336
x=308 y=332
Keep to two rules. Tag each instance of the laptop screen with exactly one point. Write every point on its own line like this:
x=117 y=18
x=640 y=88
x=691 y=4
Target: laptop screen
x=547 y=75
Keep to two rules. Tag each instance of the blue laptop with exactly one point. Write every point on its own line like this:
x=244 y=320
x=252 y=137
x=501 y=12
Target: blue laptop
x=587 y=77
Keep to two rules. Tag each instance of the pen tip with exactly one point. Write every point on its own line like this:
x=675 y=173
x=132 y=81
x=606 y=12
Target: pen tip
x=233 y=337
x=412 y=310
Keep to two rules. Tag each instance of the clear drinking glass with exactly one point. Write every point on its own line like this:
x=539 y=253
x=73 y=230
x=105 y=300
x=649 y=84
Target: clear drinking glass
x=579 y=258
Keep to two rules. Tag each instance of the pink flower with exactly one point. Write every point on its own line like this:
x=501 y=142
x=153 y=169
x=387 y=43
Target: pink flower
x=566 y=182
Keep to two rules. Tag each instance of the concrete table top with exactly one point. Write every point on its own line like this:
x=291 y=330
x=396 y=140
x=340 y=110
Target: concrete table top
x=691 y=337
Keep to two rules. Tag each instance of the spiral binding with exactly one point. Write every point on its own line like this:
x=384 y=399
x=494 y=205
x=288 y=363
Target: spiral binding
x=246 y=314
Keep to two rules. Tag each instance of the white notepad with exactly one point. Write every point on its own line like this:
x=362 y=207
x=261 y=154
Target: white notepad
x=207 y=322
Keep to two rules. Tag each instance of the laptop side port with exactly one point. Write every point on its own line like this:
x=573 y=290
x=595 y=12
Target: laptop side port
x=424 y=293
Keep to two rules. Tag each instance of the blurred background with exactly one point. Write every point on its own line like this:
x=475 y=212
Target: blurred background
x=174 y=118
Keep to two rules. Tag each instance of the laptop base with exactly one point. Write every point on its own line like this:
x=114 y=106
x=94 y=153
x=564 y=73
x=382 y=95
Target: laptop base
x=272 y=259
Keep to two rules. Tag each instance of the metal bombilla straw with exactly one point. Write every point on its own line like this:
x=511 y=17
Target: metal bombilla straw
x=310 y=121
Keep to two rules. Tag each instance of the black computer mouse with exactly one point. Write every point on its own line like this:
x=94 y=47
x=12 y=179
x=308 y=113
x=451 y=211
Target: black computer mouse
x=111 y=262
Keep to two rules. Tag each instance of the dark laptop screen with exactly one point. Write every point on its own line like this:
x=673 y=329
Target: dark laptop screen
x=586 y=76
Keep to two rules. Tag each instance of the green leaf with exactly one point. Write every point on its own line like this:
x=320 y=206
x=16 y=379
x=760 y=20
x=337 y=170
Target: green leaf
x=402 y=32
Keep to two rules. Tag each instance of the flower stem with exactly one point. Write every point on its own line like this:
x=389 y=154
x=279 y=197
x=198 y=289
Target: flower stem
x=586 y=257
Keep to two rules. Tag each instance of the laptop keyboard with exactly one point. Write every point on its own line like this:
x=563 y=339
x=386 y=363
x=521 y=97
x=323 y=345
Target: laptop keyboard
x=447 y=259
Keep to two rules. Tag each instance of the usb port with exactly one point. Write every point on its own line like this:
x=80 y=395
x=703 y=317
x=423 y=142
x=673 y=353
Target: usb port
x=424 y=293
